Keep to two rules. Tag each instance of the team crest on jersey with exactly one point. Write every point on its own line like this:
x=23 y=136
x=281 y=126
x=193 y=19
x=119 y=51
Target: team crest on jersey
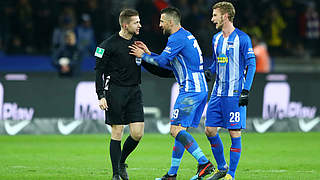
x=222 y=59
x=230 y=45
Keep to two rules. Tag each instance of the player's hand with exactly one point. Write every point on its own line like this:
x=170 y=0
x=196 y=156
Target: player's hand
x=136 y=51
x=244 y=98
x=142 y=46
x=208 y=75
x=103 y=104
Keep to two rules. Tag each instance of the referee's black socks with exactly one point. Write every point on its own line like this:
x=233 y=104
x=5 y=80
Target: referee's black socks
x=115 y=153
x=129 y=145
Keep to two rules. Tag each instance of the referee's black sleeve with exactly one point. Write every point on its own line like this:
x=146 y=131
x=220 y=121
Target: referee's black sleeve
x=99 y=78
x=101 y=70
x=156 y=70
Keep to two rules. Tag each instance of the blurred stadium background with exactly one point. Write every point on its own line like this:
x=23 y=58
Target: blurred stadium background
x=36 y=99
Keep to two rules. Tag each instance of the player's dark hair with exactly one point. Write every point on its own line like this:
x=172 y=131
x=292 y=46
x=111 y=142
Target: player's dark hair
x=126 y=14
x=226 y=7
x=172 y=12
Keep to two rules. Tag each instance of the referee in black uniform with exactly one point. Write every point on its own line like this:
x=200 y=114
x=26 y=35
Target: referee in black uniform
x=118 y=76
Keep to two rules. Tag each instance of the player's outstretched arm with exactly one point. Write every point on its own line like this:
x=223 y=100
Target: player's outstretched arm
x=158 y=60
x=158 y=71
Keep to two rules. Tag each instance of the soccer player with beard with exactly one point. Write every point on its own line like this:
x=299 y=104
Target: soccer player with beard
x=232 y=55
x=118 y=78
x=183 y=56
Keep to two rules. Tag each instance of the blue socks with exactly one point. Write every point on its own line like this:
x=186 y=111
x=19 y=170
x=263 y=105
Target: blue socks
x=217 y=151
x=191 y=146
x=177 y=154
x=235 y=152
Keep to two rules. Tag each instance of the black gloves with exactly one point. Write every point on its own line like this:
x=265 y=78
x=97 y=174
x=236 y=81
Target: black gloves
x=244 y=98
x=208 y=75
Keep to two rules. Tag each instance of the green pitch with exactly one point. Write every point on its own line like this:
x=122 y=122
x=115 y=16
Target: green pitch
x=264 y=156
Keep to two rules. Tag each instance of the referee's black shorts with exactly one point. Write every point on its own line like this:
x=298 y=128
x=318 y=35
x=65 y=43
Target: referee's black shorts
x=124 y=105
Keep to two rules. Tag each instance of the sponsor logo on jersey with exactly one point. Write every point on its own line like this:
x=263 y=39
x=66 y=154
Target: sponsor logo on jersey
x=222 y=59
x=167 y=49
x=99 y=52
x=191 y=37
x=250 y=51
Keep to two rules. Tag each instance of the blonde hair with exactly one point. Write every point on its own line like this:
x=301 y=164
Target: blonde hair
x=126 y=14
x=226 y=7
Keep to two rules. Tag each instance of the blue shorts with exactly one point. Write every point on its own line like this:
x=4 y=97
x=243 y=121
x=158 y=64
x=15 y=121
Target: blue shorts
x=188 y=109
x=225 y=112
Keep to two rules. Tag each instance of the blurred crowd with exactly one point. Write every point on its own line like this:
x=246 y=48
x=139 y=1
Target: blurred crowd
x=286 y=27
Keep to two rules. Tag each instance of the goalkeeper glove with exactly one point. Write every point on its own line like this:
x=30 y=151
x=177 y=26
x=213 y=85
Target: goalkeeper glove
x=244 y=98
x=208 y=75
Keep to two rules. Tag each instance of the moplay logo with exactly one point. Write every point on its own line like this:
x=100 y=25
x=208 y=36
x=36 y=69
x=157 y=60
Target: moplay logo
x=86 y=102
x=85 y=108
x=307 y=126
x=275 y=102
x=164 y=128
x=67 y=127
x=16 y=118
x=277 y=106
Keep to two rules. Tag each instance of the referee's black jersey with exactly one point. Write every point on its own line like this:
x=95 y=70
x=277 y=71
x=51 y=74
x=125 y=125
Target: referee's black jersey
x=113 y=59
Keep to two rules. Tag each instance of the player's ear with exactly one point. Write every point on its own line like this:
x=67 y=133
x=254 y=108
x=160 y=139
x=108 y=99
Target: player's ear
x=124 y=26
x=226 y=16
x=171 y=22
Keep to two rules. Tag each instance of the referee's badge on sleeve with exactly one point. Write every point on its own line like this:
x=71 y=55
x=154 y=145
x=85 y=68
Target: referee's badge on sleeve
x=99 y=52
x=138 y=61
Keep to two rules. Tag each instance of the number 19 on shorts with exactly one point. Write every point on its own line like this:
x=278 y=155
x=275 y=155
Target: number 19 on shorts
x=234 y=117
x=175 y=113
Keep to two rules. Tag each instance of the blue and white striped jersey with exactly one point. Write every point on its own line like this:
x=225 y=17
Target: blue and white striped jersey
x=231 y=56
x=183 y=56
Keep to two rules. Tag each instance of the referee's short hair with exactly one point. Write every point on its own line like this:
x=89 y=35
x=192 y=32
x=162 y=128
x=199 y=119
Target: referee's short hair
x=173 y=12
x=126 y=14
